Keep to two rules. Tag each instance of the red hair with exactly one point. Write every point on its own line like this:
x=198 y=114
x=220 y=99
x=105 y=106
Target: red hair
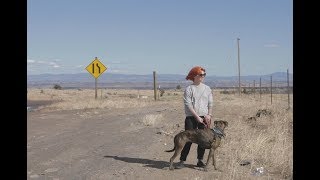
x=194 y=72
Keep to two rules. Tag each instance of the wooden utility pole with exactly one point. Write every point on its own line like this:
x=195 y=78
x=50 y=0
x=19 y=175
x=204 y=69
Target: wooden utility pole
x=260 y=88
x=238 y=39
x=155 y=85
x=271 y=88
x=254 y=88
x=288 y=86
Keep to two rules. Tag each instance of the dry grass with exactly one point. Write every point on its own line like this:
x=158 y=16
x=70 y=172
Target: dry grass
x=72 y=99
x=265 y=141
x=152 y=119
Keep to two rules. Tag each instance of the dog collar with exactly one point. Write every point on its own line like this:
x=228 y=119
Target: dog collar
x=218 y=132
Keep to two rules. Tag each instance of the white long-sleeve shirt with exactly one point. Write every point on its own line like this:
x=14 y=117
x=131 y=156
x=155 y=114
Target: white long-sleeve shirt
x=199 y=97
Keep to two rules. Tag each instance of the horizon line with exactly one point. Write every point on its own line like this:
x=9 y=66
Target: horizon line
x=152 y=74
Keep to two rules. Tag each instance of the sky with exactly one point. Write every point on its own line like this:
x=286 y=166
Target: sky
x=166 y=36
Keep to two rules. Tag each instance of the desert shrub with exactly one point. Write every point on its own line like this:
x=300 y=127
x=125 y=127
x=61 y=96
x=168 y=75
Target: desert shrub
x=178 y=87
x=245 y=91
x=57 y=86
x=161 y=92
x=224 y=92
x=227 y=92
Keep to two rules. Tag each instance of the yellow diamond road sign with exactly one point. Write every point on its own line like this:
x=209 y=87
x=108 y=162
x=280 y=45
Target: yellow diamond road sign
x=96 y=68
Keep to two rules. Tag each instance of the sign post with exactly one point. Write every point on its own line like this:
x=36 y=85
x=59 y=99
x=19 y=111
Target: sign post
x=96 y=68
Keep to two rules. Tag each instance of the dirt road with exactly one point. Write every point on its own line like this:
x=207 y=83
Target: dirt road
x=105 y=144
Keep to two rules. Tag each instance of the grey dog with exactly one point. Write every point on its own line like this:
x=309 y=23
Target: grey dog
x=206 y=138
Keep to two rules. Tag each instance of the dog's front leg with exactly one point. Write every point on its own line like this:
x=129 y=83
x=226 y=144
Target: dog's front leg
x=209 y=157
x=213 y=159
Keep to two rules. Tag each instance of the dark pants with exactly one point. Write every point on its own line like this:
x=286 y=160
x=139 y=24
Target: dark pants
x=192 y=123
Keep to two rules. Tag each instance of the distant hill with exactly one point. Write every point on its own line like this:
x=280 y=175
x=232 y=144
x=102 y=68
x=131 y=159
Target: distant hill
x=110 y=80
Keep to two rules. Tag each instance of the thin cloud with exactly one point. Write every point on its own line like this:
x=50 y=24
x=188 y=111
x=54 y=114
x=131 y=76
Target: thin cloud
x=54 y=64
x=272 y=44
x=115 y=71
x=30 y=61
x=79 y=66
x=115 y=62
x=40 y=66
x=42 y=62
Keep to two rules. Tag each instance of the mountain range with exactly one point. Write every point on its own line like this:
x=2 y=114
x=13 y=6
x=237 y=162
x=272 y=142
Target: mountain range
x=112 y=80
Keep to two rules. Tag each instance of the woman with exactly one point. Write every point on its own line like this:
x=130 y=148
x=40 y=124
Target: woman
x=198 y=101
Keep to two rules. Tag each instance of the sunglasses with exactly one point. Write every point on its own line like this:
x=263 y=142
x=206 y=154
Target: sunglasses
x=202 y=75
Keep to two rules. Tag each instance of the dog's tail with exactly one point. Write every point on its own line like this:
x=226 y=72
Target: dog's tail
x=174 y=148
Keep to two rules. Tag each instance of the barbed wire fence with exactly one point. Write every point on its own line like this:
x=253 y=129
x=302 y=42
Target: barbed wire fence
x=270 y=89
x=265 y=89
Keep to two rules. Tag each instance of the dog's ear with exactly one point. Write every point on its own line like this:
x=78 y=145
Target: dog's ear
x=215 y=123
x=225 y=123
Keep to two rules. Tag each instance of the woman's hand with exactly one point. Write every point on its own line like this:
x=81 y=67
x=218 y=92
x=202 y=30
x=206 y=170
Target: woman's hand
x=200 y=120
x=207 y=120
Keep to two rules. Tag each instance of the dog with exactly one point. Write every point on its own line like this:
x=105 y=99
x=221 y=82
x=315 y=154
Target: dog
x=206 y=138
